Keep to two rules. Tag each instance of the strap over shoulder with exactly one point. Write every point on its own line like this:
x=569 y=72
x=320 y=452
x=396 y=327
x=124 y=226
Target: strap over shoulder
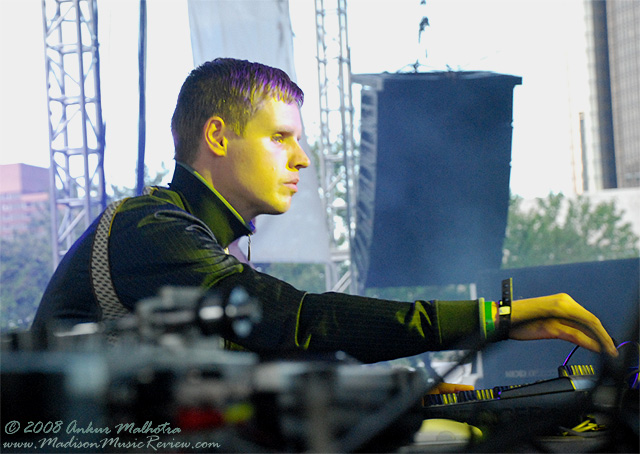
x=102 y=284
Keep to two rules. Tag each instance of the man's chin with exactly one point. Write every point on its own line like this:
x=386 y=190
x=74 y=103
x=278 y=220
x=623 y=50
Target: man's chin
x=277 y=210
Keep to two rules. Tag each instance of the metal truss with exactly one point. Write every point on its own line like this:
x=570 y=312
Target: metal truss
x=76 y=130
x=337 y=150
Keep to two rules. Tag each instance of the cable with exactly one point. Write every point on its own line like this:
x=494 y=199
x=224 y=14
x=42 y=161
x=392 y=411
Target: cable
x=633 y=371
x=573 y=350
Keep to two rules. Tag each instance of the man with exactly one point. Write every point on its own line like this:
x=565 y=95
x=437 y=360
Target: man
x=236 y=130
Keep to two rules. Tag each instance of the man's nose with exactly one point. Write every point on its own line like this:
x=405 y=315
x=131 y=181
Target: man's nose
x=299 y=159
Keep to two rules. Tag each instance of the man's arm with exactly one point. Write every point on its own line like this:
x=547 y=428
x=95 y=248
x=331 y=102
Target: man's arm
x=369 y=329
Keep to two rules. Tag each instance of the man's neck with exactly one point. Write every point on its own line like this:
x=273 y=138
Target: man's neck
x=205 y=178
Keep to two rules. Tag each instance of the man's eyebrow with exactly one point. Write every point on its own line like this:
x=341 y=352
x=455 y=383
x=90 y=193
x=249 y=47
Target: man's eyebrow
x=286 y=130
x=283 y=127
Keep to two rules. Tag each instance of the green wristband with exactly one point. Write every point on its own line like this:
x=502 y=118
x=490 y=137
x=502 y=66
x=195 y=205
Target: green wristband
x=490 y=326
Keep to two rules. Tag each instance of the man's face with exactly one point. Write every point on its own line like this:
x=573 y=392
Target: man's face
x=261 y=166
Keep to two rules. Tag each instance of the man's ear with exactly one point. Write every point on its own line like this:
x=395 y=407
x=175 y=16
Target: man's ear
x=214 y=135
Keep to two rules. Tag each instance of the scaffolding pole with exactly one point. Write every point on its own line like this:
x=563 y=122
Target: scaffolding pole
x=76 y=129
x=337 y=150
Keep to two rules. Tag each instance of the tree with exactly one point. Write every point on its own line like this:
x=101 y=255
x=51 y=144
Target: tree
x=304 y=276
x=561 y=230
x=26 y=264
x=25 y=269
x=556 y=230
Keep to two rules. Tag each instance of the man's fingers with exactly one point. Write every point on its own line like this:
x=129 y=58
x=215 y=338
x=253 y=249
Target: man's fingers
x=596 y=340
x=559 y=317
x=567 y=330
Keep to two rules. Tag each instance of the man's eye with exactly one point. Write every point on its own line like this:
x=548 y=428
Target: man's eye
x=278 y=138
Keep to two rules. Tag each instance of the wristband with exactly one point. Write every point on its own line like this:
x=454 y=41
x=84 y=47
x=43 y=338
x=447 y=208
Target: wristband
x=504 y=310
x=489 y=325
x=504 y=320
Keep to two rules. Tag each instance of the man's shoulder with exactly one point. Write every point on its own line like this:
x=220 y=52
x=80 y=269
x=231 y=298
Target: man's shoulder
x=159 y=206
x=155 y=200
x=155 y=196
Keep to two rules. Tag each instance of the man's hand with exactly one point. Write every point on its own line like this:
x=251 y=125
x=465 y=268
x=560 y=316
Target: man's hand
x=560 y=317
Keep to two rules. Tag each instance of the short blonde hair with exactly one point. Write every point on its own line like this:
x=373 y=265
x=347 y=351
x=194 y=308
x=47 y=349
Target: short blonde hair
x=230 y=88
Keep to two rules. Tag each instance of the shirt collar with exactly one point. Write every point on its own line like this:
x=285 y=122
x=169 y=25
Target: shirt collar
x=204 y=202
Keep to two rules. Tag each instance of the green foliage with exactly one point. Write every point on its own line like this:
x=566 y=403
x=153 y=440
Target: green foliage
x=431 y=292
x=561 y=230
x=311 y=277
x=304 y=276
x=25 y=270
x=556 y=230
x=26 y=264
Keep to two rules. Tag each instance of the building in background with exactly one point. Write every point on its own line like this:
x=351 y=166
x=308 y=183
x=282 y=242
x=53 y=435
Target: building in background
x=623 y=25
x=24 y=198
x=610 y=124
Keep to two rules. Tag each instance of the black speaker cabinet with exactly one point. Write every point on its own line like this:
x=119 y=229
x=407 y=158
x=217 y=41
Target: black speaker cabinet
x=433 y=185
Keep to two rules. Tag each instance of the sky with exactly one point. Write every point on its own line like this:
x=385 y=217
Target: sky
x=539 y=40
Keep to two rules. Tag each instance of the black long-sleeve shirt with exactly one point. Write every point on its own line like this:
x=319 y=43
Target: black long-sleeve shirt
x=178 y=235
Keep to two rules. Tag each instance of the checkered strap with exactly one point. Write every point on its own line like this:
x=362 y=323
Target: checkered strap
x=103 y=288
